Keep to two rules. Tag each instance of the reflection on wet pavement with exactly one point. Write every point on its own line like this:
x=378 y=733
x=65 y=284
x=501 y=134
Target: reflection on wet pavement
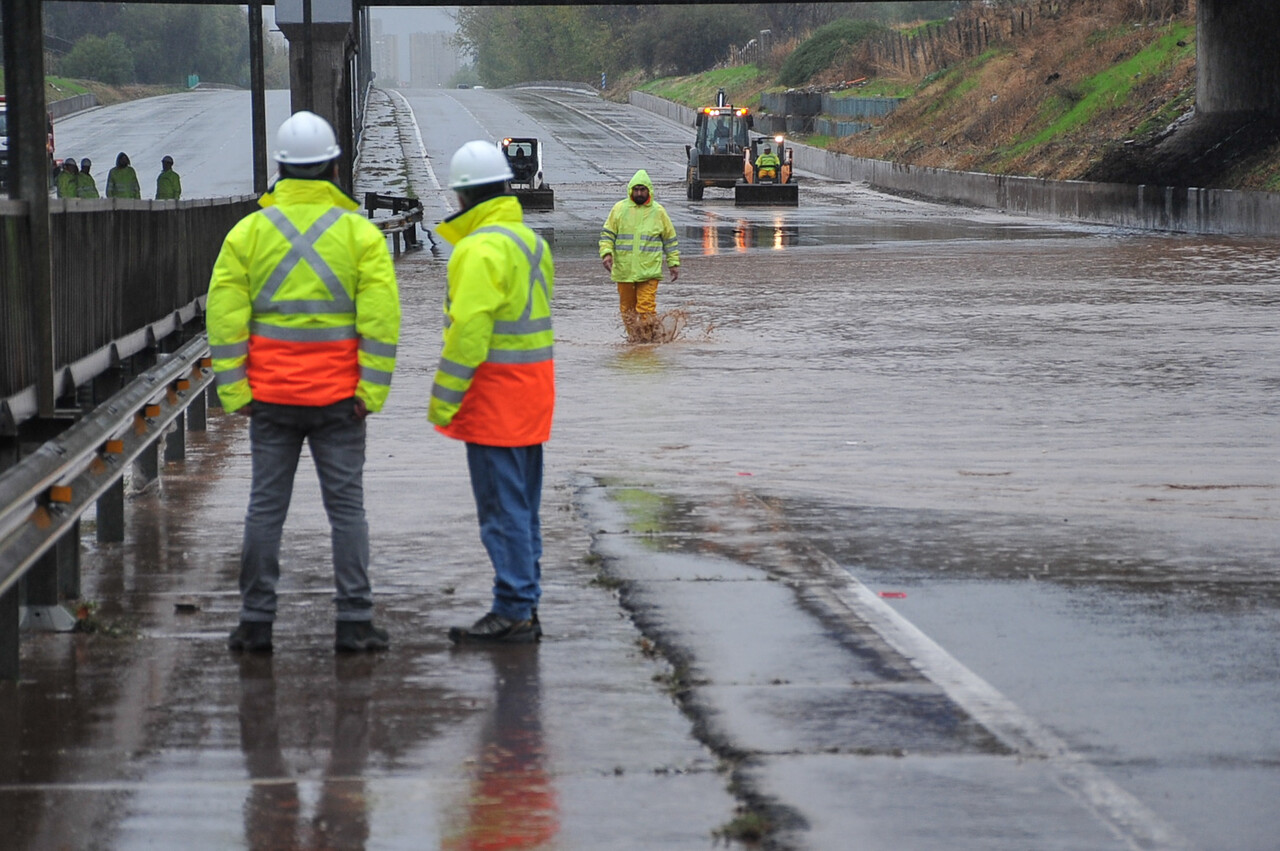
x=719 y=236
x=512 y=801
x=274 y=818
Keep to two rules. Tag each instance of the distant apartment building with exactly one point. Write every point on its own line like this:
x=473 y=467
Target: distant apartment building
x=386 y=54
x=433 y=59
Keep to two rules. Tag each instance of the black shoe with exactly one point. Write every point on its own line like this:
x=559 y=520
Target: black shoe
x=493 y=628
x=251 y=636
x=358 y=636
x=537 y=625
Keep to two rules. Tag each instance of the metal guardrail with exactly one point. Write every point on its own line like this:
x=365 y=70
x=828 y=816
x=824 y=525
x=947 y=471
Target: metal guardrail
x=43 y=496
x=405 y=218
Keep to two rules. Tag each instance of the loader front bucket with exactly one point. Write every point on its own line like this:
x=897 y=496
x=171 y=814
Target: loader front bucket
x=766 y=195
x=537 y=199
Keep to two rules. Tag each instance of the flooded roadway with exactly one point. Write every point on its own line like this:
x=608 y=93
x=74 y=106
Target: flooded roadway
x=1053 y=448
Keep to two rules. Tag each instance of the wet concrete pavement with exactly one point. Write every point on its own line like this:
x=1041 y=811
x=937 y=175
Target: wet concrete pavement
x=1052 y=449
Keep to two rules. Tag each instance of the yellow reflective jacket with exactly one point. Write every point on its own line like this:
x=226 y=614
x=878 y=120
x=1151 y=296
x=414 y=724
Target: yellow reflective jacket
x=768 y=161
x=303 y=307
x=495 y=384
x=122 y=182
x=639 y=236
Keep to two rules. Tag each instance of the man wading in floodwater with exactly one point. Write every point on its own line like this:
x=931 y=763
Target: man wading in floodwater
x=636 y=238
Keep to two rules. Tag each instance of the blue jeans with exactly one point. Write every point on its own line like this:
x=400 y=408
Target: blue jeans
x=336 y=438
x=507 y=483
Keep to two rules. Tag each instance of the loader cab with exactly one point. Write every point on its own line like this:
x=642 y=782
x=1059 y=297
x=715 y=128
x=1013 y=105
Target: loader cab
x=722 y=130
x=525 y=159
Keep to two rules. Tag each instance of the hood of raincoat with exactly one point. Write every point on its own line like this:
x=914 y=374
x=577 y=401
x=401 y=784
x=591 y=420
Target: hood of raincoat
x=641 y=178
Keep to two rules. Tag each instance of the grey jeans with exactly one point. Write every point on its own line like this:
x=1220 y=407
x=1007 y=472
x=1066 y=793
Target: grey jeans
x=336 y=438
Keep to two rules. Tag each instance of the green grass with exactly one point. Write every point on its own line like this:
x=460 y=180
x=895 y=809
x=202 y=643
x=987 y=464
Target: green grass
x=1111 y=87
x=645 y=510
x=55 y=88
x=701 y=89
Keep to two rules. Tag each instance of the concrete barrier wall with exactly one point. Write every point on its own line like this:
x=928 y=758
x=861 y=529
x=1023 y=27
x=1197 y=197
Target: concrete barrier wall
x=1164 y=208
x=66 y=106
x=667 y=109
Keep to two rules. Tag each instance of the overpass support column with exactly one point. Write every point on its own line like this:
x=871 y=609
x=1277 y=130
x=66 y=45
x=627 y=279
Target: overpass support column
x=1237 y=63
x=320 y=34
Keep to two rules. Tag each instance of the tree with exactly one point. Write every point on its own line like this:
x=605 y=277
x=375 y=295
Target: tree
x=106 y=59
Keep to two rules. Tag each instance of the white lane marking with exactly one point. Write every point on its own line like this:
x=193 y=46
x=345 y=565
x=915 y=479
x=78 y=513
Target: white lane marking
x=1127 y=817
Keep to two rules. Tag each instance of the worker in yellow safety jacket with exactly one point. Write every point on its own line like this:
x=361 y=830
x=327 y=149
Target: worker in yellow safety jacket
x=767 y=165
x=637 y=236
x=122 y=180
x=303 y=317
x=494 y=388
x=65 y=183
x=168 y=183
x=86 y=186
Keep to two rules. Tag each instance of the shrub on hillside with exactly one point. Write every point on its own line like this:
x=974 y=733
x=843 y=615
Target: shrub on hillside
x=107 y=60
x=822 y=49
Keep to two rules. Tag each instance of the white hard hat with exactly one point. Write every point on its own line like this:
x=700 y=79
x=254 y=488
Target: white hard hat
x=305 y=138
x=476 y=163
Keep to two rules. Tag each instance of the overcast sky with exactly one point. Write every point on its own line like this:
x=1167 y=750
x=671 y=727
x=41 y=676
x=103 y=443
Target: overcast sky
x=420 y=19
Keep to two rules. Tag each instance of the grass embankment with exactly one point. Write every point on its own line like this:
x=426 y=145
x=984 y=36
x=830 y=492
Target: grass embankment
x=742 y=86
x=1051 y=103
x=60 y=88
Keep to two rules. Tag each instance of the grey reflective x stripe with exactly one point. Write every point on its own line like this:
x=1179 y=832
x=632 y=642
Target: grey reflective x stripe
x=524 y=325
x=230 y=350
x=302 y=246
x=302 y=335
x=373 y=347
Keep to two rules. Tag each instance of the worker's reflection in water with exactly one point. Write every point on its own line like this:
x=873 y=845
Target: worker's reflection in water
x=512 y=804
x=272 y=813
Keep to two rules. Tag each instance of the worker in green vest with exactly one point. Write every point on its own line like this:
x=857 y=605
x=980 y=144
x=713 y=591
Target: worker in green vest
x=168 y=183
x=86 y=186
x=122 y=181
x=66 y=180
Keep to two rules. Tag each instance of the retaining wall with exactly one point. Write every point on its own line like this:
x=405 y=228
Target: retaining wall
x=1164 y=208
x=66 y=106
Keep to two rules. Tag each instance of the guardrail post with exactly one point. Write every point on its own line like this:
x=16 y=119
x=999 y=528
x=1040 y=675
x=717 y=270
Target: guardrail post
x=111 y=513
x=175 y=440
x=196 y=419
x=146 y=468
x=9 y=639
x=43 y=611
x=68 y=549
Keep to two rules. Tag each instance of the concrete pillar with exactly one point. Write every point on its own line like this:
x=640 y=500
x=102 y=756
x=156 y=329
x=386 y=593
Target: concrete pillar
x=323 y=85
x=1237 y=62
